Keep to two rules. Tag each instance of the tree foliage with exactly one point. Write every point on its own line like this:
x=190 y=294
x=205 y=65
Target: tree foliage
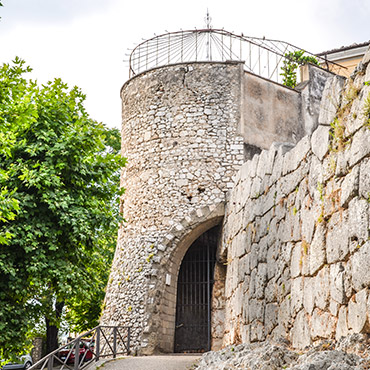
x=290 y=64
x=59 y=188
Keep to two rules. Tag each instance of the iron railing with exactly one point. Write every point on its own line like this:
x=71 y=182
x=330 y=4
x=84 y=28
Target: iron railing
x=100 y=342
x=260 y=56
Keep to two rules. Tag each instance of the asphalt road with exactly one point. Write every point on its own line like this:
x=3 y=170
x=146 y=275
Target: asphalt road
x=172 y=362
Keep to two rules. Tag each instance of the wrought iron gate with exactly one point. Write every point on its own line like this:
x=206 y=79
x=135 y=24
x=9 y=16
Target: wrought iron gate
x=194 y=292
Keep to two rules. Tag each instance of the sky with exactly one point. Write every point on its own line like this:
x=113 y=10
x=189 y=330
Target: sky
x=85 y=42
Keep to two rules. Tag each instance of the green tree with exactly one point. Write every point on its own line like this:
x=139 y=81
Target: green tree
x=290 y=64
x=59 y=177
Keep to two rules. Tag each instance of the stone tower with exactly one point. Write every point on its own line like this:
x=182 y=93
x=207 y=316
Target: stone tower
x=187 y=127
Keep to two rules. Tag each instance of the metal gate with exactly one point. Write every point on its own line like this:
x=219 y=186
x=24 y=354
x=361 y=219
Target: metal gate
x=194 y=292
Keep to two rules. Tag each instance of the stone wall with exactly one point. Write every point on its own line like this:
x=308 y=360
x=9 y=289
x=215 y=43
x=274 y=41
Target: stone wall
x=269 y=112
x=296 y=230
x=179 y=134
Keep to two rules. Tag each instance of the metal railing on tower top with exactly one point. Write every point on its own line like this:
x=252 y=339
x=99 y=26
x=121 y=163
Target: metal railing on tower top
x=260 y=56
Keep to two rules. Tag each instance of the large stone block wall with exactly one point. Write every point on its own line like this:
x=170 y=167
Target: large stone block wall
x=296 y=230
x=179 y=134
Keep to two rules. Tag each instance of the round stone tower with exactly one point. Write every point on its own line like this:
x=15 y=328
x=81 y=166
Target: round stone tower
x=179 y=134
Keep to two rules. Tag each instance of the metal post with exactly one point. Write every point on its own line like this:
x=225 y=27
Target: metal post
x=196 y=46
x=231 y=46
x=157 y=54
x=240 y=56
x=138 y=63
x=147 y=52
x=182 y=45
x=50 y=362
x=169 y=48
x=259 y=60
x=222 y=47
x=114 y=342
x=77 y=355
x=128 y=340
x=97 y=344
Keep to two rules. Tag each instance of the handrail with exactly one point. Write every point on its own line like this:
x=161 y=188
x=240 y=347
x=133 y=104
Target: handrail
x=102 y=341
x=260 y=56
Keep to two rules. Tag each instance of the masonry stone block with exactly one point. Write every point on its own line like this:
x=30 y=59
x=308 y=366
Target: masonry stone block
x=239 y=243
x=297 y=294
x=300 y=333
x=315 y=178
x=360 y=146
x=278 y=167
x=245 y=268
x=261 y=280
x=256 y=188
x=256 y=310
x=359 y=219
x=350 y=186
x=257 y=331
x=262 y=164
x=307 y=222
x=320 y=141
x=342 y=324
x=253 y=166
x=331 y=99
x=296 y=261
x=337 y=283
x=317 y=249
x=309 y=295
x=364 y=186
x=252 y=283
x=291 y=181
x=293 y=159
x=271 y=260
x=284 y=315
x=361 y=267
x=357 y=312
x=322 y=288
x=322 y=325
x=254 y=256
x=271 y=159
x=271 y=291
x=337 y=238
x=271 y=317
x=341 y=168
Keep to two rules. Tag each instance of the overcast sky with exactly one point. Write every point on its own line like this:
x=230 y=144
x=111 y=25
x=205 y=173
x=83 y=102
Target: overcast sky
x=84 y=42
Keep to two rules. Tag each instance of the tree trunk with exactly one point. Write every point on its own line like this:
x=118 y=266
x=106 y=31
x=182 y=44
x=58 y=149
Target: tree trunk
x=52 y=329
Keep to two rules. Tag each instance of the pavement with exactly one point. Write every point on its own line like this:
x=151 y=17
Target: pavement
x=161 y=362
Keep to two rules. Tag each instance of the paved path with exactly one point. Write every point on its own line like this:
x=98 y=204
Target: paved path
x=172 y=362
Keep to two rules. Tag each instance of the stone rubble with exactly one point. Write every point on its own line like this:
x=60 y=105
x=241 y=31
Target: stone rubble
x=350 y=353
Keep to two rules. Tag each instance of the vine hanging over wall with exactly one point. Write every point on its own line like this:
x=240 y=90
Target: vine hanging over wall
x=291 y=62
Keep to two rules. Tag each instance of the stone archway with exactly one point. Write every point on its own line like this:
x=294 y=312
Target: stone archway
x=194 y=294
x=181 y=238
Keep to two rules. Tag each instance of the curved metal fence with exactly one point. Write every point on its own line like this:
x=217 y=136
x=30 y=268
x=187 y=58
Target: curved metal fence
x=100 y=342
x=260 y=56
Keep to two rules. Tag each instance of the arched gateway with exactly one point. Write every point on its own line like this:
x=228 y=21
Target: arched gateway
x=194 y=293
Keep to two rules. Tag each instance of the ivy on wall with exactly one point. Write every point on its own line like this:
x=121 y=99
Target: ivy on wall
x=291 y=62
